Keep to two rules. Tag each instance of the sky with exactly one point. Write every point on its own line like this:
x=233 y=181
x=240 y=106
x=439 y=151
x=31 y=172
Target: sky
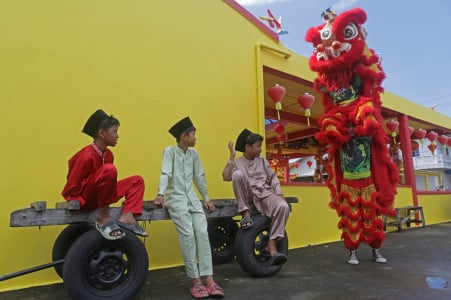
x=412 y=37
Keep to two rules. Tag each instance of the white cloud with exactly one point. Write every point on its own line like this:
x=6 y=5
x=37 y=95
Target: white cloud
x=258 y=2
x=343 y=4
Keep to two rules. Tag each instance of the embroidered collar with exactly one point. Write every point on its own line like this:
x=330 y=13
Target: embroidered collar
x=102 y=154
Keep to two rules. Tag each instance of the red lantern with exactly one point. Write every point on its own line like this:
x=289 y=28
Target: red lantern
x=432 y=136
x=309 y=164
x=393 y=125
x=296 y=165
x=419 y=134
x=279 y=129
x=306 y=101
x=443 y=139
x=415 y=146
x=276 y=93
x=449 y=142
x=432 y=147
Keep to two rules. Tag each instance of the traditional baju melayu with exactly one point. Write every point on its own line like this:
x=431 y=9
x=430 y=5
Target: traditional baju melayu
x=92 y=180
x=256 y=184
x=179 y=170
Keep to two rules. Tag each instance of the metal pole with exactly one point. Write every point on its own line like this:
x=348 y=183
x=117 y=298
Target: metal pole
x=31 y=270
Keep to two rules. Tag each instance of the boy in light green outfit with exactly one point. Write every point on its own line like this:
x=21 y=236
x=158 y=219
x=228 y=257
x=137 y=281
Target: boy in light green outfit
x=181 y=167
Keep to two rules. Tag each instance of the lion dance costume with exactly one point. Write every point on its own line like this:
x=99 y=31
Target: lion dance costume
x=362 y=178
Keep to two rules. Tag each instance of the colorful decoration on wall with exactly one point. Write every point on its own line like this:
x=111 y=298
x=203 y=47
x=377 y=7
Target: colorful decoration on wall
x=393 y=125
x=277 y=93
x=274 y=23
x=306 y=101
x=419 y=134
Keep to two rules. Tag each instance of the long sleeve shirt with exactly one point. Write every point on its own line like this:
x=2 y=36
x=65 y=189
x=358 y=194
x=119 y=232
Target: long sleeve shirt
x=83 y=164
x=178 y=172
x=262 y=178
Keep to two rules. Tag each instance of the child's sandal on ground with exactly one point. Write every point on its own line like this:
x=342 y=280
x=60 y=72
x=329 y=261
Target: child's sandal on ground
x=199 y=291
x=246 y=222
x=108 y=228
x=215 y=291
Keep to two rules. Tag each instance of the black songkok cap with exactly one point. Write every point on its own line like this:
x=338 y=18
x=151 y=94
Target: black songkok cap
x=93 y=123
x=180 y=127
x=240 y=144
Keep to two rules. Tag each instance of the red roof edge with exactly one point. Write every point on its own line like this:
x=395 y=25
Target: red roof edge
x=253 y=19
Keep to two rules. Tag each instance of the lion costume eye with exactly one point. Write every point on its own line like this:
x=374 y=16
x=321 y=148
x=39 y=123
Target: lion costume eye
x=350 y=31
x=325 y=34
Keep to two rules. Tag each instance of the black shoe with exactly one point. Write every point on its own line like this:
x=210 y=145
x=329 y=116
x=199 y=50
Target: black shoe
x=278 y=259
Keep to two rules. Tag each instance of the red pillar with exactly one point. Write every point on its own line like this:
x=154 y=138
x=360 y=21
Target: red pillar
x=406 y=149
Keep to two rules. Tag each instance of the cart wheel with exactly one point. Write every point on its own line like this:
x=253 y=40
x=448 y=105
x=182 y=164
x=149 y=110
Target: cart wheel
x=96 y=268
x=249 y=246
x=222 y=233
x=63 y=242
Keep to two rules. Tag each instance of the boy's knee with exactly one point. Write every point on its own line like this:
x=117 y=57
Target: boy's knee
x=109 y=170
x=238 y=175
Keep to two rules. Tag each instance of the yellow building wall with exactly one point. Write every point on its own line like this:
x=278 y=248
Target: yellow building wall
x=149 y=63
x=436 y=208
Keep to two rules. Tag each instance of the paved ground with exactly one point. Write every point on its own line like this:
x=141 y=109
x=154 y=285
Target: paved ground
x=419 y=267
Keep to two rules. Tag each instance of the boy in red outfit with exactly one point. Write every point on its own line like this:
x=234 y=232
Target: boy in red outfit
x=92 y=180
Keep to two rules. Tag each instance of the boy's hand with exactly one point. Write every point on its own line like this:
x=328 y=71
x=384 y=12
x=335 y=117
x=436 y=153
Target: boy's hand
x=159 y=200
x=210 y=205
x=232 y=151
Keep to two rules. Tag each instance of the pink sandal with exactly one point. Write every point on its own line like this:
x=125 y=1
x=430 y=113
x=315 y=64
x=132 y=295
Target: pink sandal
x=199 y=291
x=215 y=291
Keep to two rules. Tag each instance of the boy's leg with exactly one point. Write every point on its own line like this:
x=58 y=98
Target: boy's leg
x=133 y=189
x=184 y=225
x=277 y=209
x=100 y=189
x=242 y=190
x=200 y=226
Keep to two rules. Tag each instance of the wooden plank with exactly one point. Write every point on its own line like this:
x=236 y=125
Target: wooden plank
x=65 y=215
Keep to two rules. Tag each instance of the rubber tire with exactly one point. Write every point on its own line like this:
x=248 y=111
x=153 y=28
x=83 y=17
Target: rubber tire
x=222 y=233
x=63 y=242
x=251 y=241
x=96 y=268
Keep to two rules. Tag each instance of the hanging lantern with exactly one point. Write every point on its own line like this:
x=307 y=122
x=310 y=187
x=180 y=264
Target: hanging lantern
x=276 y=93
x=279 y=129
x=309 y=164
x=443 y=139
x=432 y=136
x=306 y=101
x=415 y=146
x=432 y=147
x=419 y=134
x=393 y=125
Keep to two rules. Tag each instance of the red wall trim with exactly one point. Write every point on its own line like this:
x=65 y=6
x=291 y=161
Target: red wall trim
x=245 y=13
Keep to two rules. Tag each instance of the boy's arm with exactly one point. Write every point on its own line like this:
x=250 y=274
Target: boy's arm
x=79 y=169
x=272 y=178
x=199 y=179
x=166 y=171
x=228 y=170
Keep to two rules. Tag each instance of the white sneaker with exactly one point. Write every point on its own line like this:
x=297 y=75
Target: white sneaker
x=353 y=260
x=378 y=257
